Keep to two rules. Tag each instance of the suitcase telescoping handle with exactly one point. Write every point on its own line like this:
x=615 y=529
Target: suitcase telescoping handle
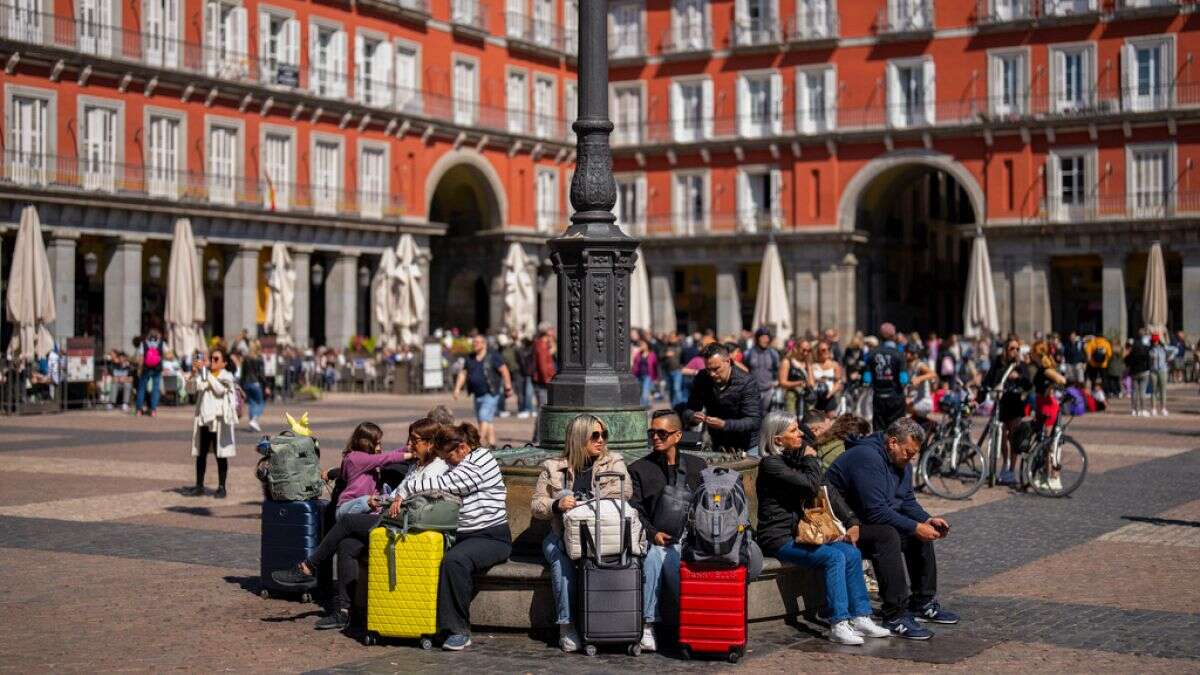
x=626 y=535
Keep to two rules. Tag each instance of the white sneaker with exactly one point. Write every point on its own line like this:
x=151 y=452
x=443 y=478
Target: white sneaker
x=864 y=626
x=843 y=633
x=568 y=639
x=1055 y=483
x=1134 y=413
x=1164 y=412
x=1154 y=413
x=649 y=644
x=523 y=415
x=254 y=425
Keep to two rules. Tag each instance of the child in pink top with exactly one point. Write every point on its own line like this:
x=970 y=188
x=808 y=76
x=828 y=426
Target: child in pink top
x=361 y=461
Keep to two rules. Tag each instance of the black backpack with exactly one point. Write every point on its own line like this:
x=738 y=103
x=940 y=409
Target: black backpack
x=674 y=505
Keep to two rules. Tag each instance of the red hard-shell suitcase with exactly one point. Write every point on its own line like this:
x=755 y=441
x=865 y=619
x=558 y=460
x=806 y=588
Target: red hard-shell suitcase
x=712 y=611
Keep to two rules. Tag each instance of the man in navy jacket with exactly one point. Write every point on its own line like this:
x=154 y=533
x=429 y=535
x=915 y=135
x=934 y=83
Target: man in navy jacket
x=874 y=476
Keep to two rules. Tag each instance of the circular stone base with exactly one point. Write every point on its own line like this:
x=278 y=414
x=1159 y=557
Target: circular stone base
x=626 y=426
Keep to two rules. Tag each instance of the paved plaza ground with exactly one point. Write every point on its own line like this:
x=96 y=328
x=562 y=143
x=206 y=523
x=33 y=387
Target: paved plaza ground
x=105 y=566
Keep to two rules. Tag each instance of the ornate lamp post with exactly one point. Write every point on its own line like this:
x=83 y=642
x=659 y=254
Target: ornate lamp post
x=594 y=260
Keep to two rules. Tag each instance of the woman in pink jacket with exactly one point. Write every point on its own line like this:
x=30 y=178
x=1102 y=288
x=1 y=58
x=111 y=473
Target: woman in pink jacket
x=361 y=461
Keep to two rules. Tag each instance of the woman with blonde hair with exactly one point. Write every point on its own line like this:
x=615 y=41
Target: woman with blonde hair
x=564 y=482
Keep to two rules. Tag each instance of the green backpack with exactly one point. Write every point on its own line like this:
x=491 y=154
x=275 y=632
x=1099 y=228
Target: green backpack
x=423 y=512
x=293 y=467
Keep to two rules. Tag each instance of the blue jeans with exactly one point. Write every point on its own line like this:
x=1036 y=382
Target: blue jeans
x=254 y=400
x=352 y=506
x=661 y=567
x=149 y=376
x=845 y=588
x=647 y=389
x=675 y=377
x=562 y=575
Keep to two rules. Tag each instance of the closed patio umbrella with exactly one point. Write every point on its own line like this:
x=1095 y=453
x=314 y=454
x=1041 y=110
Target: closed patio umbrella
x=184 y=311
x=384 y=301
x=409 y=295
x=639 y=296
x=30 y=298
x=979 y=307
x=519 y=295
x=281 y=294
x=1154 y=293
x=771 y=307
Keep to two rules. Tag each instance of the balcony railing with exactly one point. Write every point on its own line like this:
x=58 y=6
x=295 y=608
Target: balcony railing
x=1015 y=13
x=686 y=38
x=1157 y=205
x=532 y=33
x=626 y=45
x=470 y=16
x=189 y=58
x=810 y=26
x=756 y=33
x=1146 y=7
x=412 y=9
x=905 y=17
x=73 y=174
x=1067 y=9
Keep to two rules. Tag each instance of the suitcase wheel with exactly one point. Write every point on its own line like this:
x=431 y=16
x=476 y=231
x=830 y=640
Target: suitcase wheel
x=371 y=638
x=264 y=593
x=685 y=652
x=735 y=655
x=306 y=597
x=635 y=649
x=426 y=643
x=590 y=650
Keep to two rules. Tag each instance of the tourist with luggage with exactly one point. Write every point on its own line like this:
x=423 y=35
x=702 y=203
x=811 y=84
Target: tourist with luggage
x=361 y=461
x=663 y=483
x=726 y=401
x=214 y=388
x=791 y=487
x=487 y=379
x=581 y=473
x=874 y=478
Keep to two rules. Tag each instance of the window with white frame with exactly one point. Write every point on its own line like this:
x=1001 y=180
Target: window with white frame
x=625 y=29
x=754 y=22
x=517 y=95
x=225 y=53
x=278 y=173
x=544 y=114
x=326 y=170
x=515 y=20
x=223 y=160
x=372 y=180
x=466 y=88
x=94 y=21
x=1072 y=71
x=1007 y=10
x=571 y=27
x=813 y=19
x=278 y=48
x=1069 y=183
x=760 y=104
x=327 y=60
x=543 y=22
x=689 y=29
x=758 y=198
x=631 y=204
x=30 y=126
x=627 y=105
x=99 y=144
x=408 y=80
x=1008 y=83
x=911 y=92
x=1149 y=67
x=1151 y=180
x=1068 y=7
x=23 y=21
x=910 y=14
x=691 y=109
x=372 y=70
x=163 y=143
x=570 y=107
x=546 y=198
x=689 y=196
x=160 y=33
x=816 y=99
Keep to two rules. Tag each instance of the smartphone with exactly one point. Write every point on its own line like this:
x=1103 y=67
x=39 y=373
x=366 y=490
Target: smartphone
x=943 y=529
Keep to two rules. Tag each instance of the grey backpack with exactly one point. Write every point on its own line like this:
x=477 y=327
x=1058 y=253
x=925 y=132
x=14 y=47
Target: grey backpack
x=293 y=467
x=719 y=526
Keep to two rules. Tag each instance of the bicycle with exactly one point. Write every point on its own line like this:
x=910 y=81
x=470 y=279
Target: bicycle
x=1055 y=464
x=991 y=440
x=951 y=466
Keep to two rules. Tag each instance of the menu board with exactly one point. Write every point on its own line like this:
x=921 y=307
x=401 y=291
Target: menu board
x=432 y=376
x=81 y=359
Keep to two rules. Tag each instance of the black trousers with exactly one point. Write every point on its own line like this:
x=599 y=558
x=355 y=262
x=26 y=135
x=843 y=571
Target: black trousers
x=886 y=409
x=473 y=552
x=893 y=554
x=208 y=443
x=348 y=539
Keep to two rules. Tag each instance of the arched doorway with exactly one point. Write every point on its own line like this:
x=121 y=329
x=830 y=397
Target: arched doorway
x=465 y=194
x=913 y=267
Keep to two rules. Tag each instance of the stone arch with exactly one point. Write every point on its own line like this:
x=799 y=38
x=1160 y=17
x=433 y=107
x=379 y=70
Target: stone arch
x=478 y=165
x=862 y=180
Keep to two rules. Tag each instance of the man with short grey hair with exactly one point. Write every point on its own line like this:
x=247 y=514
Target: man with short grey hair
x=874 y=477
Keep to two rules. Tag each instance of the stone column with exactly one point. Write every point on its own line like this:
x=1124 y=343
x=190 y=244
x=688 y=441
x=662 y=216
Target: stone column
x=847 y=321
x=123 y=295
x=1191 y=293
x=729 y=302
x=1113 y=312
x=241 y=291
x=423 y=260
x=1031 y=298
x=837 y=285
x=61 y=253
x=302 y=262
x=662 y=296
x=807 y=303
x=1002 y=283
x=341 y=291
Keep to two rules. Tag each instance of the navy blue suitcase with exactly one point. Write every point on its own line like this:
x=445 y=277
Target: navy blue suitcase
x=290 y=532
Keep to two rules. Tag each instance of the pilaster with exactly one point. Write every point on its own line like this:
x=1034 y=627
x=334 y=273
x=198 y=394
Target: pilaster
x=302 y=261
x=61 y=253
x=340 y=300
x=123 y=295
x=241 y=292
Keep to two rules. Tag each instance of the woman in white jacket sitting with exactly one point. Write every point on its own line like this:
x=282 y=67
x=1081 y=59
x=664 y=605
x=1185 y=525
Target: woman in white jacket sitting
x=214 y=389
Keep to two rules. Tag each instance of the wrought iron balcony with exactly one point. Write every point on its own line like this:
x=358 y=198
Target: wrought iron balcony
x=812 y=28
x=1140 y=206
x=756 y=34
x=532 y=34
x=685 y=38
x=626 y=46
x=905 y=19
x=469 y=17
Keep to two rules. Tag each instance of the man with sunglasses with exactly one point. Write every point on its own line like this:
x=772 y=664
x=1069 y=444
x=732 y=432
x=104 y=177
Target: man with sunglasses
x=651 y=476
x=726 y=401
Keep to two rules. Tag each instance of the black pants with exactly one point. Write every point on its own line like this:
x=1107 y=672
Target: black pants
x=208 y=443
x=892 y=554
x=886 y=409
x=348 y=539
x=472 y=553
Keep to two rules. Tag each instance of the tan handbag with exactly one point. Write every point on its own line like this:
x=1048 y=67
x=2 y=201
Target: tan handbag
x=817 y=524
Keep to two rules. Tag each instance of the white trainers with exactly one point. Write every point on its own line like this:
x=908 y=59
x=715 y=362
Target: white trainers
x=568 y=639
x=864 y=626
x=255 y=426
x=1154 y=412
x=1055 y=483
x=523 y=415
x=843 y=633
x=505 y=413
x=649 y=644
x=1164 y=412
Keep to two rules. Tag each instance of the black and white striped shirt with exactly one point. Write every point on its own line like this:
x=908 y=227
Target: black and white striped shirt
x=478 y=481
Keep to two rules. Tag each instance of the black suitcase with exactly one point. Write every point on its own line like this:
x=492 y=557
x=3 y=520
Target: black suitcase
x=290 y=532
x=610 y=592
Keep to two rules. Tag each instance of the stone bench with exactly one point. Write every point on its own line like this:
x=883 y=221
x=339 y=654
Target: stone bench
x=517 y=594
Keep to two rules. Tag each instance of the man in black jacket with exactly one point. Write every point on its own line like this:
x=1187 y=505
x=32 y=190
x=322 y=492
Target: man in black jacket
x=729 y=399
x=889 y=375
x=651 y=475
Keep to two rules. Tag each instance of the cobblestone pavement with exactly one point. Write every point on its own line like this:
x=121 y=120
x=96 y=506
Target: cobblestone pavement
x=104 y=565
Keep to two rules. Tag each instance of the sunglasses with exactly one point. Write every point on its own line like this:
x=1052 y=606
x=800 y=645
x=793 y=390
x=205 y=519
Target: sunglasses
x=599 y=436
x=659 y=434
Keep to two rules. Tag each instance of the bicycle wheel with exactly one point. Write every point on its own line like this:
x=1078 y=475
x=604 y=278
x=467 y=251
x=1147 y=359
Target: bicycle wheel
x=1058 y=475
x=953 y=475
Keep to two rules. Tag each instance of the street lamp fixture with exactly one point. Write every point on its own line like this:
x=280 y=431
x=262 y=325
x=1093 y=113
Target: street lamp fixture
x=91 y=264
x=212 y=270
x=154 y=267
x=318 y=273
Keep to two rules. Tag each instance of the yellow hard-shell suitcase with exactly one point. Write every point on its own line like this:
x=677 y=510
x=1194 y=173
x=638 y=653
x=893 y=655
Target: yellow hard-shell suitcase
x=403 y=604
